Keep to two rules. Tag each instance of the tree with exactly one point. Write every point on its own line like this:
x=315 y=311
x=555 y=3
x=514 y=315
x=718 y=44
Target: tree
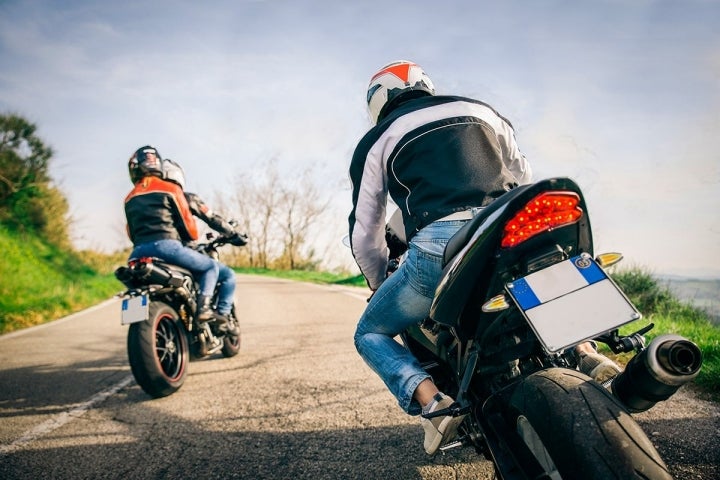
x=256 y=202
x=28 y=200
x=301 y=206
x=278 y=213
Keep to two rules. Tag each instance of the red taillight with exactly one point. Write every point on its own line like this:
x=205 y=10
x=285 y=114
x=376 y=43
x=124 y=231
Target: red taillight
x=546 y=211
x=139 y=261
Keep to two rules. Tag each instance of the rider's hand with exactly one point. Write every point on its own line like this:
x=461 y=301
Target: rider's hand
x=239 y=239
x=393 y=265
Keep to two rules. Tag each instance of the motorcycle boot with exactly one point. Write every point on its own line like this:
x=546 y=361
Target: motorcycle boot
x=225 y=325
x=204 y=309
x=439 y=430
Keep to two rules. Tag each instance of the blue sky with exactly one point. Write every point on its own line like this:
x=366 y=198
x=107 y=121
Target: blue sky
x=622 y=96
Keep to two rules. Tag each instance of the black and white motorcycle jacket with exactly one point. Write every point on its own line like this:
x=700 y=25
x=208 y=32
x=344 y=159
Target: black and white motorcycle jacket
x=433 y=156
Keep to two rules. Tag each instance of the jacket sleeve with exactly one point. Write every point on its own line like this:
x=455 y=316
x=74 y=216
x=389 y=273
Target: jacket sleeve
x=204 y=213
x=367 y=219
x=514 y=159
x=188 y=228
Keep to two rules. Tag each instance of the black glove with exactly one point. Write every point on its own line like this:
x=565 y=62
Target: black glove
x=395 y=245
x=238 y=239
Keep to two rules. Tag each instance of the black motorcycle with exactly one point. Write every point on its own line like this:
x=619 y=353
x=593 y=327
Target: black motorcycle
x=160 y=306
x=521 y=288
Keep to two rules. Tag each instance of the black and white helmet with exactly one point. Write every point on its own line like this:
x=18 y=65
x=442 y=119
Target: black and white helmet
x=145 y=161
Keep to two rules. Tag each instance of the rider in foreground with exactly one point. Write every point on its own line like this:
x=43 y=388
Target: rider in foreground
x=160 y=218
x=440 y=159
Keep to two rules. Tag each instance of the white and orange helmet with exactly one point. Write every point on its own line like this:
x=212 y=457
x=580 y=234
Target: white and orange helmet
x=392 y=81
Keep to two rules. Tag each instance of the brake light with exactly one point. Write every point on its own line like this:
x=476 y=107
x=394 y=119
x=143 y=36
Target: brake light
x=545 y=212
x=139 y=261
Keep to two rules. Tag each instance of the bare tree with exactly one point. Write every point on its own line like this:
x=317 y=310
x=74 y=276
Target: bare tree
x=301 y=206
x=255 y=203
x=278 y=213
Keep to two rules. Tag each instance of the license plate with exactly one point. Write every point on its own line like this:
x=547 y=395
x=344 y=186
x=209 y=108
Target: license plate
x=135 y=309
x=570 y=302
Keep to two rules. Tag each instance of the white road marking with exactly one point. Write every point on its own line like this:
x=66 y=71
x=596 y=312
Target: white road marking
x=61 y=419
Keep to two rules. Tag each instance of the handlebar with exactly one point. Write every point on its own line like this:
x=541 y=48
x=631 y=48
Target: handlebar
x=238 y=240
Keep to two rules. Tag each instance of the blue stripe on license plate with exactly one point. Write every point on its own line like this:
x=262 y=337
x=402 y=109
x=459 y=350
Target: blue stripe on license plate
x=524 y=294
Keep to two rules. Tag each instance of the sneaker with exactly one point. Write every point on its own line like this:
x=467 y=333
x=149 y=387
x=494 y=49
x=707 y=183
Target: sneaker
x=598 y=367
x=439 y=430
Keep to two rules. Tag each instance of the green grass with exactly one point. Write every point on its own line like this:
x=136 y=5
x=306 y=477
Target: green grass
x=671 y=316
x=41 y=283
x=308 y=276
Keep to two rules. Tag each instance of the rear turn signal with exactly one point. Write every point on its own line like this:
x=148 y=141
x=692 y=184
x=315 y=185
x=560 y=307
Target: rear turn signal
x=546 y=211
x=606 y=260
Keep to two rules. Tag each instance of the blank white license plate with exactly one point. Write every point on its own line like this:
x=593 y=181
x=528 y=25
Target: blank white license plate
x=570 y=302
x=135 y=309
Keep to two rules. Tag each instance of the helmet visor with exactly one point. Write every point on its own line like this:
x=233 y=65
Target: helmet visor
x=149 y=158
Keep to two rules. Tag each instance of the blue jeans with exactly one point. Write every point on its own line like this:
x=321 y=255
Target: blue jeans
x=204 y=268
x=226 y=289
x=404 y=299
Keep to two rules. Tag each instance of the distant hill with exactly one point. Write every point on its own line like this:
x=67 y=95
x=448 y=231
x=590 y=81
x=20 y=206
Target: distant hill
x=702 y=293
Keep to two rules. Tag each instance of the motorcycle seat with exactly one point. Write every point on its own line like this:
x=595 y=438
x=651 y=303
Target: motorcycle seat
x=462 y=237
x=169 y=266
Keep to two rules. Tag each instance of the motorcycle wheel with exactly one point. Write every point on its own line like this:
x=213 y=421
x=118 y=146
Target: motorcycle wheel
x=577 y=430
x=158 y=351
x=231 y=343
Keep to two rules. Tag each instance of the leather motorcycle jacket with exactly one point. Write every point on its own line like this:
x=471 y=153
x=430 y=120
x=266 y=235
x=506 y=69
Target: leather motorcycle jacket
x=204 y=213
x=157 y=209
x=432 y=156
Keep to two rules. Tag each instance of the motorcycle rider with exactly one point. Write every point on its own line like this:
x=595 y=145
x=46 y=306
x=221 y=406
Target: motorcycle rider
x=440 y=159
x=159 y=220
x=173 y=172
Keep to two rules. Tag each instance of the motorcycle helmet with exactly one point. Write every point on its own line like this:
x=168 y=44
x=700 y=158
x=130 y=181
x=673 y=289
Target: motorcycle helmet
x=174 y=172
x=145 y=161
x=398 y=79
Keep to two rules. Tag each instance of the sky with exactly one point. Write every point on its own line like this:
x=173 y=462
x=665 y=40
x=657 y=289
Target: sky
x=621 y=96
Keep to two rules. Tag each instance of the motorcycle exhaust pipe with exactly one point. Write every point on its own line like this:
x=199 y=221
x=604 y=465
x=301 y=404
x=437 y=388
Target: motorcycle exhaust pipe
x=154 y=274
x=656 y=373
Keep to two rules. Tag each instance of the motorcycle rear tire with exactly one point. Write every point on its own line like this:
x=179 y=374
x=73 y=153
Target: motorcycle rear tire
x=585 y=431
x=158 y=351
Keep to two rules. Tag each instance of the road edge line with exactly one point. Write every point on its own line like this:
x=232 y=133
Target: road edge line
x=62 y=418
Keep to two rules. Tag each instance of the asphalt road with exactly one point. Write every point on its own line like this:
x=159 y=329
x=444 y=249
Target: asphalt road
x=296 y=403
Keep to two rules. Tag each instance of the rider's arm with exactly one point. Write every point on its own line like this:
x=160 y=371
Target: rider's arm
x=367 y=219
x=186 y=225
x=513 y=158
x=204 y=213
